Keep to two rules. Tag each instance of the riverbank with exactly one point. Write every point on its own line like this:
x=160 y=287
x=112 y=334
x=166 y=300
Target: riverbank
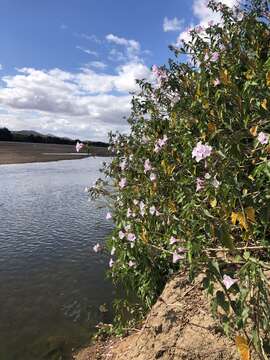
x=179 y=327
x=19 y=152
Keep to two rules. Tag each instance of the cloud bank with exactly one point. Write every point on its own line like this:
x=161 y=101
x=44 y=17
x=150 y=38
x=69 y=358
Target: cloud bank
x=86 y=104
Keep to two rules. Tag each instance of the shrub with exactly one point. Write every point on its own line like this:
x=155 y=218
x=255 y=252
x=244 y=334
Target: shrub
x=192 y=180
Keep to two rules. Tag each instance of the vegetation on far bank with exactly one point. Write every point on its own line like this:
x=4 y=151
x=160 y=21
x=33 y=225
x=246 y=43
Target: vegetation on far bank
x=35 y=137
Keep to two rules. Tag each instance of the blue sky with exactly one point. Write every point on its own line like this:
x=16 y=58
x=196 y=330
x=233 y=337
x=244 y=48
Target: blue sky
x=67 y=66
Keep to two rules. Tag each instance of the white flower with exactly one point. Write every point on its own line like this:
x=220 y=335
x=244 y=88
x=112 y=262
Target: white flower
x=152 y=210
x=263 y=138
x=131 y=237
x=215 y=182
x=201 y=151
x=122 y=183
x=108 y=216
x=131 y=263
x=111 y=263
x=121 y=234
x=97 y=248
x=113 y=250
x=228 y=281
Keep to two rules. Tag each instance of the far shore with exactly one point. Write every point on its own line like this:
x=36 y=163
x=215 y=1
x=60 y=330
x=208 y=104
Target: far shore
x=21 y=153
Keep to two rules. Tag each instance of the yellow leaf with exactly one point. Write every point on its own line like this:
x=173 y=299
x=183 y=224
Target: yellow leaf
x=167 y=168
x=213 y=202
x=242 y=347
x=250 y=213
x=205 y=104
x=253 y=130
x=174 y=118
x=264 y=104
x=144 y=236
x=234 y=217
x=268 y=78
x=249 y=74
x=172 y=207
x=224 y=77
x=242 y=221
x=240 y=218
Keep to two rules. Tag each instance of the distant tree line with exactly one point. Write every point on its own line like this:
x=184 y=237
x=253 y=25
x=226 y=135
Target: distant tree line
x=7 y=135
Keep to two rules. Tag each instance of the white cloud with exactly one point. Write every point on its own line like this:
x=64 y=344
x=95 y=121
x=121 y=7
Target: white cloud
x=203 y=15
x=96 y=64
x=174 y=24
x=91 y=37
x=132 y=47
x=1 y=67
x=85 y=104
x=87 y=51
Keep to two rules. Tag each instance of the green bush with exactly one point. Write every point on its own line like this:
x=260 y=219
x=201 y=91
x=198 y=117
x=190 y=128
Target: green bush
x=191 y=183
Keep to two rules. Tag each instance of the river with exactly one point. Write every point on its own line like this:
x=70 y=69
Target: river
x=51 y=281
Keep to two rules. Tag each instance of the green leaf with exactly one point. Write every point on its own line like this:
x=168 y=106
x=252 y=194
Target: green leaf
x=225 y=237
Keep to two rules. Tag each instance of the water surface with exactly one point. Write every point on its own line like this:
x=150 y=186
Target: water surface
x=51 y=282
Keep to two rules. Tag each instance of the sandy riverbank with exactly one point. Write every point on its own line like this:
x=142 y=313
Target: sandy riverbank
x=19 y=153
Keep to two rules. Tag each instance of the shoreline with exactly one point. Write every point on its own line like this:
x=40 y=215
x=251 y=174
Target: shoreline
x=12 y=153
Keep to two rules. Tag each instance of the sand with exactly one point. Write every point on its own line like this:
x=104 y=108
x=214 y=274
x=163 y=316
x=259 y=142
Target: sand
x=19 y=152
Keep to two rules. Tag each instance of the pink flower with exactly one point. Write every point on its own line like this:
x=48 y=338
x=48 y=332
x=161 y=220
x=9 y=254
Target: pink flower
x=201 y=151
x=131 y=237
x=153 y=177
x=79 y=146
x=111 y=263
x=121 y=234
x=123 y=164
x=177 y=257
x=263 y=138
x=228 y=281
x=216 y=82
x=147 y=166
x=131 y=263
x=199 y=29
x=160 y=74
x=142 y=206
x=215 y=56
x=97 y=248
x=173 y=240
x=122 y=183
x=160 y=143
x=199 y=184
x=210 y=23
x=108 y=216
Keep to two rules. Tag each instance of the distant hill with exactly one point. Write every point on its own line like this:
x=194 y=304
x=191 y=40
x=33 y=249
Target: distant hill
x=28 y=133
x=32 y=136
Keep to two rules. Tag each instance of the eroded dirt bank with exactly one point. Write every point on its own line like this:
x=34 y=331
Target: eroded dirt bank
x=179 y=326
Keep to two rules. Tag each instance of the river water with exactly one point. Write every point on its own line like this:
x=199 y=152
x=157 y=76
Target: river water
x=51 y=281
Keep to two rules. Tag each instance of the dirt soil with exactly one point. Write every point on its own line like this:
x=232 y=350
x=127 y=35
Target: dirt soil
x=19 y=152
x=179 y=326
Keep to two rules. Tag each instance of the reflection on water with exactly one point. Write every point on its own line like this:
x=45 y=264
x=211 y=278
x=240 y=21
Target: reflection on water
x=51 y=282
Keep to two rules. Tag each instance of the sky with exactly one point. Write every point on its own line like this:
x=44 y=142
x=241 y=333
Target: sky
x=68 y=67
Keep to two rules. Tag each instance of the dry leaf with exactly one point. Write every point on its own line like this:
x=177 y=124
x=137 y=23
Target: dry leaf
x=242 y=347
x=250 y=213
x=264 y=104
x=253 y=130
